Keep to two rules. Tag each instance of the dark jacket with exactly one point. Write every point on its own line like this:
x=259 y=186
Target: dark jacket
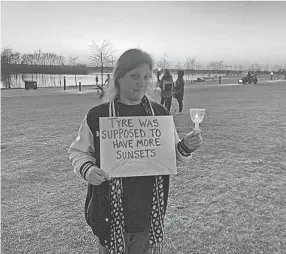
x=97 y=207
x=167 y=86
x=179 y=88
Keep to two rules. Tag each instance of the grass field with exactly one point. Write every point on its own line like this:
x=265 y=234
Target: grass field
x=231 y=198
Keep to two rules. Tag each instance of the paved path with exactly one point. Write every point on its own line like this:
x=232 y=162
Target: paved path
x=42 y=91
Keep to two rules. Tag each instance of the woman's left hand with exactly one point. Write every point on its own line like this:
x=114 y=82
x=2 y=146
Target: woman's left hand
x=193 y=140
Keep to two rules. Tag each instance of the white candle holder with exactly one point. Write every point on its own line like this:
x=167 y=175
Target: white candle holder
x=197 y=116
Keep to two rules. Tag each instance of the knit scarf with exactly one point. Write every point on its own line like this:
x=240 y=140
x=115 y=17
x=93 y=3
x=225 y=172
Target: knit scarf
x=117 y=224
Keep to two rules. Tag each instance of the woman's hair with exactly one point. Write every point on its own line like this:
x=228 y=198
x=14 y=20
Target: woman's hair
x=128 y=61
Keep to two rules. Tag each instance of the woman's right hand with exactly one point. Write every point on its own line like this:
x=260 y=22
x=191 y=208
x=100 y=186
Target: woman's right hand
x=96 y=176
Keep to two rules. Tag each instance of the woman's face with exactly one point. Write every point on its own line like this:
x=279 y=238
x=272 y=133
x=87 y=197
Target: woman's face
x=133 y=85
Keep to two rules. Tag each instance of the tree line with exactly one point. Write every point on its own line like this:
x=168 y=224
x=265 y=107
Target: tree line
x=13 y=62
x=102 y=59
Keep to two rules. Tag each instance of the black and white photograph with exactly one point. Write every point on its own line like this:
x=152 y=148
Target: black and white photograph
x=143 y=127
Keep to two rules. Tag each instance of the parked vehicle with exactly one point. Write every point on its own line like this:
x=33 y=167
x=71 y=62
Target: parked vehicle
x=199 y=80
x=248 y=79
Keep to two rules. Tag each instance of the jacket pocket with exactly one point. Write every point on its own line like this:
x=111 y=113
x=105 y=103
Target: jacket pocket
x=98 y=210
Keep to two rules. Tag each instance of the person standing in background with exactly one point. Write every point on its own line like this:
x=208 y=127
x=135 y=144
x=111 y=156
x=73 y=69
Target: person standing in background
x=179 y=89
x=167 y=88
x=106 y=82
x=158 y=74
x=96 y=84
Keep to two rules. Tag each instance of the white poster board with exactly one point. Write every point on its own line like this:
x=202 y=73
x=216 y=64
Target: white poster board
x=137 y=146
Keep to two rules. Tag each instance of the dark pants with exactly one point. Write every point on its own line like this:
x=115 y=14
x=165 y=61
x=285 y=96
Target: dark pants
x=137 y=243
x=179 y=98
x=167 y=101
x=180 y=101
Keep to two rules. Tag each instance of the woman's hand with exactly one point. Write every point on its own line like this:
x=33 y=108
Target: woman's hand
x=96 y=176
x=193 y=140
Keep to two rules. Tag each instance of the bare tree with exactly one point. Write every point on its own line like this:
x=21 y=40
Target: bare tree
x=228 y=69
x=102 y=55
x=255 y=66
x=112 y=62
x=6 y=56
x=9 y=56
x=73 y=62
x=6 y=61
x=198 y=67
x=178 y=66
x=240 y=67
x=25 y=59
x=54 y=59
x=164 y=63
x=37 y=56
x=28 y=59
x=220 y=64
x=51 y=57
x=187 y=66
x=234 y=68
x=45 y=58
x=277 y=67
x=193 y=64
x=216 y=67
x=212 y=66
x=60 y=60
x=16 y=57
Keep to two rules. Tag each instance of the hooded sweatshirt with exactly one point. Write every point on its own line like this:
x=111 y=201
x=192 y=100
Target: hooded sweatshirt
x=167 y=86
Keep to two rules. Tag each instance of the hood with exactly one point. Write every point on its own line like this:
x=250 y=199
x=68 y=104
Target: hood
x=167 y=77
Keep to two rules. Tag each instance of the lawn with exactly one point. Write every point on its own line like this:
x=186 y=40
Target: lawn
x=231 y=198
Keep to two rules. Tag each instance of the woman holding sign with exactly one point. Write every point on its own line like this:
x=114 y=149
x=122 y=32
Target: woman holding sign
x=126 y=213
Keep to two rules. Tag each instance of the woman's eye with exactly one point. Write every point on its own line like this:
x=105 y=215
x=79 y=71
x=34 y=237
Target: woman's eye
x=134 y=76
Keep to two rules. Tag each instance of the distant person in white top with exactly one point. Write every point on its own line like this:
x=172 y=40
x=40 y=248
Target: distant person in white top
x=106 y=82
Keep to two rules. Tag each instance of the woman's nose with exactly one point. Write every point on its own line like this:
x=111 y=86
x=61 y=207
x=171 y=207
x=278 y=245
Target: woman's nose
x=141 y=82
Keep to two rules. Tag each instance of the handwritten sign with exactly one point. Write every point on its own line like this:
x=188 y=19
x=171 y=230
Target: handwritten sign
x=137 y=146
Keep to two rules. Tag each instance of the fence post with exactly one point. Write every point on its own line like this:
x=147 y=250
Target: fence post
x=79 y=85
x=65 y=83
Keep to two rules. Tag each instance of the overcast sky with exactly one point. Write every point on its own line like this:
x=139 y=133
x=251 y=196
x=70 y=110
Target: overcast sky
x=235 y=32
